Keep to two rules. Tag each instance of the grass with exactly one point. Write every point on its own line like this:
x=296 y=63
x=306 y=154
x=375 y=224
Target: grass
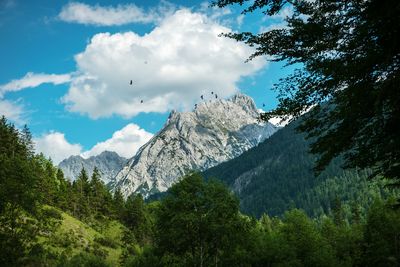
x=74 y=236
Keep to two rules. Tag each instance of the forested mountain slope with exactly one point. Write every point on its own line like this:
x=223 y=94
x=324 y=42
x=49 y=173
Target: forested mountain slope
x=278 y=175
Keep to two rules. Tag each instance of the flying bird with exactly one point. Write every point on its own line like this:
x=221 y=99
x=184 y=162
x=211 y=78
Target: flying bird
x=131 y=82
x=216 y=96
x=202 y=97
x=263 y=105
x=141 y=101
x=212 y=93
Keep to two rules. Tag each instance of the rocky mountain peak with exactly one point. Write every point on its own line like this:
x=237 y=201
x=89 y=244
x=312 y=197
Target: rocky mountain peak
x=215 y=131
x=108 y=163
x=245 y=101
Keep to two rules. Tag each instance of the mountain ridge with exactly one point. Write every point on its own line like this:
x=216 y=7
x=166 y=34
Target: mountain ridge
x=108 y=163
x=214 y=132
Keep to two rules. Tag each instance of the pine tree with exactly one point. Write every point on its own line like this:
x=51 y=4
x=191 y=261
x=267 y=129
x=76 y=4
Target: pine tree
x=136 y=218
x=100 y=197
x=81 y=189
x=118 y=204
x=337 y=210
x=19 y=195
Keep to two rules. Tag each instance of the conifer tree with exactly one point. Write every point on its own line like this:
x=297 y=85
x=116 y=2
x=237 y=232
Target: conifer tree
x=82 y=193
x=118 y=203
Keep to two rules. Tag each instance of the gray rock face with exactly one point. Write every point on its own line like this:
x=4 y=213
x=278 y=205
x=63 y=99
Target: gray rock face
x=108 y=163
x=212 y=133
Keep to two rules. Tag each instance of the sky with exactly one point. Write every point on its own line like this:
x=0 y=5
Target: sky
x=66 y=67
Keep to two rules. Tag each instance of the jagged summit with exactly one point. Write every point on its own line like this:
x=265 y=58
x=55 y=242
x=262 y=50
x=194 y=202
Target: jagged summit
x=109 y=163
x=215 y=131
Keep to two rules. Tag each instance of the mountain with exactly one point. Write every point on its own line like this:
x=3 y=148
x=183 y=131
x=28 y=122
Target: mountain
x=277 y=175
x=214 y=132
x=108 y=163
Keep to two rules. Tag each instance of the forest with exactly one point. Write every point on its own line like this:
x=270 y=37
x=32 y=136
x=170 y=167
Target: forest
x=45 y=220
x=344 y=85
x=277 y=175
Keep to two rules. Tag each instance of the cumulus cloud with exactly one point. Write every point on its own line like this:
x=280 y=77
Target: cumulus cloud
x=33 y=80
x=125 y=142
x=170 y=67
x=12 y=111
x=108 y=15
x=55 y=146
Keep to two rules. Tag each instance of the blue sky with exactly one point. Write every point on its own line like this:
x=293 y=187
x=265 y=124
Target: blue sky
x=66 y=67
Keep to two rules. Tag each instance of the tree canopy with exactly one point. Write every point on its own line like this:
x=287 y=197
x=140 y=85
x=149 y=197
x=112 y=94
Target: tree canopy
x=347 y=58
x=46 y=220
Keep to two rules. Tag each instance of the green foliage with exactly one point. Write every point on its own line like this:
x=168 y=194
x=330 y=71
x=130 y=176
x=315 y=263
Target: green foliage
x=81 y=192
x=118 y=203
x=199 y=222
x=137 y=219
x=21 y=179
x=382 y=236
x=277 y=176
x=145 y=258
x=349 y=56
x=106 y=242
x=32 y=233
x=84 y=260
x=305 y=241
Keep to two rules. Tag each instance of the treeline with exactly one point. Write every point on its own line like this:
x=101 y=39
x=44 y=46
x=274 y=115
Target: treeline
x=278 y=175
x=197 y=223
x=33 y=193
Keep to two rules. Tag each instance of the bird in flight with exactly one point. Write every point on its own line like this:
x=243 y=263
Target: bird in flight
x=202 y=97
x=141 y=101
x=131 y=82
x=212 y=93
x=263 y=105
x=216 y=96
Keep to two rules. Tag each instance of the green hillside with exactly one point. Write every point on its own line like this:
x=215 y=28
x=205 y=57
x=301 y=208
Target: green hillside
x=278 y=175
x=46 y=220
x=72 y=237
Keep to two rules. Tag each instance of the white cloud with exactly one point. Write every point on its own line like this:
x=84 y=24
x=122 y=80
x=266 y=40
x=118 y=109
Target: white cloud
x=12 y=111
x=277 y=21
x=33 y=80
x=125 y=142
x=55 y=146
x=171 y=67
x=108 y=16
x=275 y=26
x=239 y=20
x=224 y=16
